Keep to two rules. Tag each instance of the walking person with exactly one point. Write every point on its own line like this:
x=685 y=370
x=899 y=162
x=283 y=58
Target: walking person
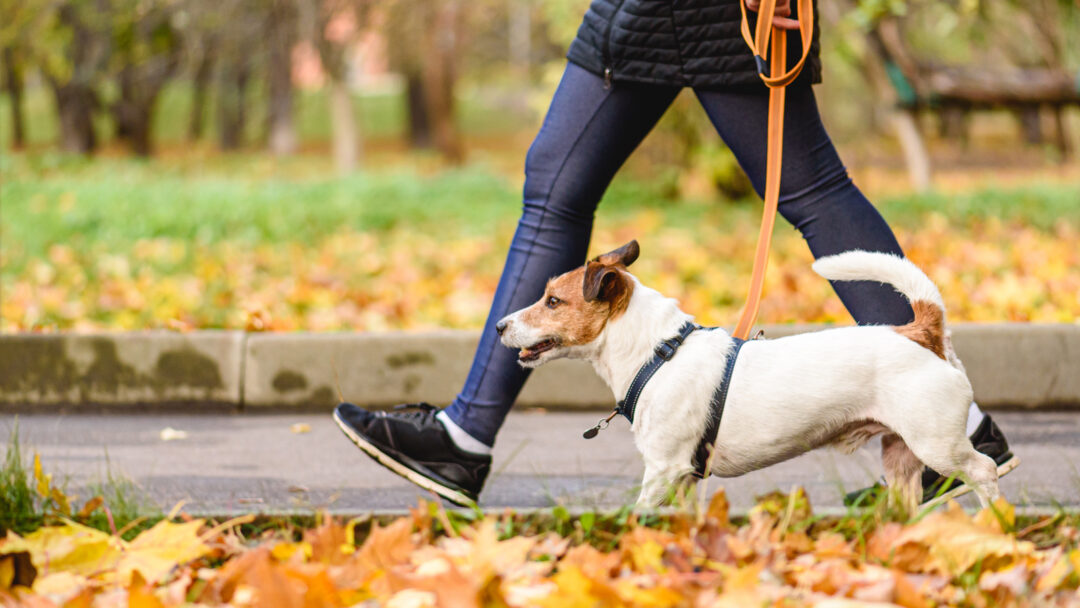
x=630 y=59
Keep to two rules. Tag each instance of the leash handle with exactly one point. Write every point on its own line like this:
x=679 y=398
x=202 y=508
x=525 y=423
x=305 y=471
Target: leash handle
x=765 y=33
x=774 y=38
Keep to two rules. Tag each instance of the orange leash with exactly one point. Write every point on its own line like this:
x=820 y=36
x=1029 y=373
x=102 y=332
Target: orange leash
x=766 y=37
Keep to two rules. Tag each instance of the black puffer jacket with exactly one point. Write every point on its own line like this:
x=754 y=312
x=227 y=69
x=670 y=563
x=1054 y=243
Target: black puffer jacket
x=692 y=43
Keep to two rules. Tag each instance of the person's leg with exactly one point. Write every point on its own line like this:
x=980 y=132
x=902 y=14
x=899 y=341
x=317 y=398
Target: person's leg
x=818 y=197
x=588 y=133
x=816 y=194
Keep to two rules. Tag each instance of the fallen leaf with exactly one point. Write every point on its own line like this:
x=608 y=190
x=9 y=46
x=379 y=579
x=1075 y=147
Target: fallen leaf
x=171 y=434
x=954 y=542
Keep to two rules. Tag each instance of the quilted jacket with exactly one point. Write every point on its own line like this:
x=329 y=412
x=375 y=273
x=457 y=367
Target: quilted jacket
x=693 y=43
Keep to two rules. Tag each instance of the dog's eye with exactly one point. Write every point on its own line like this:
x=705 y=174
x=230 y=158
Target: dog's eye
x=552 y=302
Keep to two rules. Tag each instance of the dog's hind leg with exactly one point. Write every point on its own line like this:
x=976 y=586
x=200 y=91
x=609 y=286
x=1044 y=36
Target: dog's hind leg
x=982 y=473
x=956 y=457
x=903 y=472
x=930 y=415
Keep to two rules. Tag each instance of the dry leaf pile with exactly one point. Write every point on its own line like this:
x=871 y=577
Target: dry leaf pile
x=948 y=558
x=409 y=279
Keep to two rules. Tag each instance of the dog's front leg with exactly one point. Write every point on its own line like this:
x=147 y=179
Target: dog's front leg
x=660 y=485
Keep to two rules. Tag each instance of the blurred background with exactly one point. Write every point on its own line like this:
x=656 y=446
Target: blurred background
x=357 y=164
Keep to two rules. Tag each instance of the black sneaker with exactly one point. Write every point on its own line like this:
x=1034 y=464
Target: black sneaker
x=416 y=446
x=988 y=439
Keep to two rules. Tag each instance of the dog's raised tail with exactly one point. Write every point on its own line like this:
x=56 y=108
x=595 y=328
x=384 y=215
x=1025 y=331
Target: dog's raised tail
x=928 y=328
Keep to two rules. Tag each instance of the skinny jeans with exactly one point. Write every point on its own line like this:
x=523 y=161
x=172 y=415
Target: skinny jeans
x=588 y=133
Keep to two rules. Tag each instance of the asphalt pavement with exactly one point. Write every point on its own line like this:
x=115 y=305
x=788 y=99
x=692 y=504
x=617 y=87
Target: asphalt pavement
x=222 y=463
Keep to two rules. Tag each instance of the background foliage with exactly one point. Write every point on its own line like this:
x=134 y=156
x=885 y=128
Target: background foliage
x=163 y=164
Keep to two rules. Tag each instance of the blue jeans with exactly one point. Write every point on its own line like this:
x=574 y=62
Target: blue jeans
x=588 y=133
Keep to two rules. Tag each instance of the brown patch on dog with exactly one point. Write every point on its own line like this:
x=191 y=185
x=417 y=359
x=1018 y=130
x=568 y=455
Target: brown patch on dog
x=573 y=319
x=928 y=328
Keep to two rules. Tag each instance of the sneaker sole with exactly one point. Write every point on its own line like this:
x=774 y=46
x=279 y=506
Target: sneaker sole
x=959 y=491
x=396 y=467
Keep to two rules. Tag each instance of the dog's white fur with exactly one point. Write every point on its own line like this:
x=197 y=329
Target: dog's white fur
x=789 y=395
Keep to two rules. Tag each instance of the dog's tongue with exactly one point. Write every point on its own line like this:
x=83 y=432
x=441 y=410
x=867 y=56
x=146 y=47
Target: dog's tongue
x=534 y=351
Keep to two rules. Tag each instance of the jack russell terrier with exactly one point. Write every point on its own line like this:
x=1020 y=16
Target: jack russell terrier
x=778 y=398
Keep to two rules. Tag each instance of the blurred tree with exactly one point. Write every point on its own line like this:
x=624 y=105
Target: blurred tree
x=72 y=50
x=431 y=43
x=953 y=57
x=200 y=84
x=146 y=50
x=14 y=81
x=282 y=34
x=236 y=30
x=333 y=27
x=15 y=33
x=233 y=75
x=203 y=27
x=403 y=24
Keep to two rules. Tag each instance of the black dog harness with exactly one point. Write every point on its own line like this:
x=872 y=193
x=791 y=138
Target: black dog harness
x=662 y=354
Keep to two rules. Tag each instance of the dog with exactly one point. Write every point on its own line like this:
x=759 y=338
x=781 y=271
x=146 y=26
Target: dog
x=786 y=396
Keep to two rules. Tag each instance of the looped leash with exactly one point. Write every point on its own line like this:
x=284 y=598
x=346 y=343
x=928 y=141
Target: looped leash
x=775 y=76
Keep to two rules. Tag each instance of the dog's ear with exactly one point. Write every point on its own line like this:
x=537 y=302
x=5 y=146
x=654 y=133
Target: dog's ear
x=624 y=255
x=602 y=282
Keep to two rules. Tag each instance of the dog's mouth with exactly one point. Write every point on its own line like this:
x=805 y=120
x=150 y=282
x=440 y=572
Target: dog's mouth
x=533 y=352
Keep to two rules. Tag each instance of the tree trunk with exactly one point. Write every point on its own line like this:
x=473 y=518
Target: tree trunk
x=75 y=104
x=520 y=36
x=231 y=104
x=13 y=82
x=282 y=36
x=201 y=83
x=905 y=121
x=133 y=113
x=1061 y=133
x=915 y=155
x=416 y=101
x=954 y=122
x=133 y=118
x=136 y=131
x=346 y=142
x=1030 y=124
x=440 y=77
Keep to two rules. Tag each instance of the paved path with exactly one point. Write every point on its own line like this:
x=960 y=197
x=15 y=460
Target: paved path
x=251 y=462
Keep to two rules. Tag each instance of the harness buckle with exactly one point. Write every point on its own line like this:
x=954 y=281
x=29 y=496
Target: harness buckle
x=666 y=349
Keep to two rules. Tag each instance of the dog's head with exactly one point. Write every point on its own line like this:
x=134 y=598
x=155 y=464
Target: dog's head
x=574 y=309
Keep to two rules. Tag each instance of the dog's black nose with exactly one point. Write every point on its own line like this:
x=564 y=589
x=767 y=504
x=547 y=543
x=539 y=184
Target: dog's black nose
x=500 y=327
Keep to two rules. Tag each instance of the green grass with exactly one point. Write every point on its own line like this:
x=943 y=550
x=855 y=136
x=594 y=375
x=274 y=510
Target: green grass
x=126 y=507
x=18 y=508
x=254 y=199
x=51 y=198
x=1038 y=205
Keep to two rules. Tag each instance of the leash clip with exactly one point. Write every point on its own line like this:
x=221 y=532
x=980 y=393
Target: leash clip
x=601 y=425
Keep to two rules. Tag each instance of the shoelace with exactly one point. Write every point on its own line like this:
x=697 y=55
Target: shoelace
x=421 y=411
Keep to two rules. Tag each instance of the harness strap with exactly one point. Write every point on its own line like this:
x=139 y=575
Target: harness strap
x=661 y=354
x=776 y=78
x=716 y=412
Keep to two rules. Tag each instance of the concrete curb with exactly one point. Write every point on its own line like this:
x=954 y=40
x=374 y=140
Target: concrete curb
x=1016 y=365
x=383 y=369
x=159 y=368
